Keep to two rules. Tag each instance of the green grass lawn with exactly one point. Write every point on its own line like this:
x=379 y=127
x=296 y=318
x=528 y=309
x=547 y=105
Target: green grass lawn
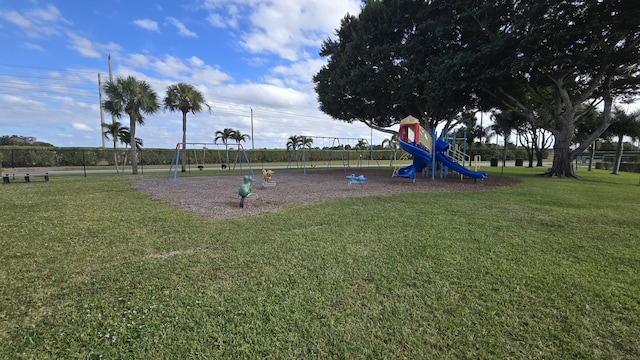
x=547 y=269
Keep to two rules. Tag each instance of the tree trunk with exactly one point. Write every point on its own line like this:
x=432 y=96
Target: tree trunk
x=542 y=143
x=124 y=158
x=115 y=156
x=563 y=156
x=562 y=161
x=132 y=142
x=528 y=146
x=184 y=141
x=592 y=154
x=227 y=150
x=539 y=158
x=504 y=153
x=616 y=164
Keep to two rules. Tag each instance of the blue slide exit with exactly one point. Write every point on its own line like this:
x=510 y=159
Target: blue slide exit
x=422 y=159
x=448 y=162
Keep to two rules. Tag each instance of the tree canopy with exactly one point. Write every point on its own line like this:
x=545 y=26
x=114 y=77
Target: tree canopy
x=434 y=59
x=386 y=63
x=546 y=58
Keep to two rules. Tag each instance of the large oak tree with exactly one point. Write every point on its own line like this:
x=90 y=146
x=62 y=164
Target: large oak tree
x=387 y=63
x=432 y=59
x=546 y=58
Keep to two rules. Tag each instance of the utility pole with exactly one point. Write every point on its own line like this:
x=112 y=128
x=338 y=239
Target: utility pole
x=104 y=140
x=113 y=118
x=110 y=69
x=252 y=143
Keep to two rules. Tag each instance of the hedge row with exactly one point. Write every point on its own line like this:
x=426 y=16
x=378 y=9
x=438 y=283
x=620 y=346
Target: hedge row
x=62 y=157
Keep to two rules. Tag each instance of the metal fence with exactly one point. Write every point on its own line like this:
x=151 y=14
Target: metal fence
x=67 y=157
x=74 y=157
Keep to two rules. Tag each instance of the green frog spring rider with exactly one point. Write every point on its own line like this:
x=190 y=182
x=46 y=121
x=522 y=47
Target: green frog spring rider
x=245 y=189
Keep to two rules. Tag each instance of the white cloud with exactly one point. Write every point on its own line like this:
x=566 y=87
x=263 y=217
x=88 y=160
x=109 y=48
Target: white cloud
x=139 y=60
x=192 y=70
x=267 y=95
x=230 y=18
x=110 y=48
x=281 y=27
x=81 y=127
x=89 y=49
x=19 y=100
x=208 y=75
x=82 y=45
x=32 y=46
x=195 y=61
x=216 y=20
x=171 y=66
x=147 y=24
x=37 y=22
x=48 y=14
x=301 y=71
x=182 y=29
x=17 y=19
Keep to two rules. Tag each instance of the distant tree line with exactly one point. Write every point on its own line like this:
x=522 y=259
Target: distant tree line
x=17 y=140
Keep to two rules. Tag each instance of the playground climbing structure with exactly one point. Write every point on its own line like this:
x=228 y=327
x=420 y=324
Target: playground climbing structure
x=427 y=153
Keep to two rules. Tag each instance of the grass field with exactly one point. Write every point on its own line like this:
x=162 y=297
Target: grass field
x=547 y=269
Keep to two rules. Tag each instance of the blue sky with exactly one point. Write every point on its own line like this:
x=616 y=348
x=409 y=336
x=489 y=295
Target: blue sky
x=242 y=54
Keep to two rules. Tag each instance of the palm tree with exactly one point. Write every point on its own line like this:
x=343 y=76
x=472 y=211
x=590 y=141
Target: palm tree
x=186 y=98
x=116 y=132
x=295 y=142
x=623 y=125
x=126 y=140
x=306 y=142
x=134 y=98
x=504 y=123
x=362 y=145
x=224 y=136
x=394 y=145
x=239 y=137
x=469 y=126
x=591 y=120
x=292 y=142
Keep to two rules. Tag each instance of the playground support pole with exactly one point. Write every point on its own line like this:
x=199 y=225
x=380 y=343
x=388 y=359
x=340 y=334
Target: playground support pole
x=464 y=150
x=176 y=156
x=344 y=166
x=445 y=138
x=304 y=159
x=293 y=153
x=241 y=148
x=433 y=156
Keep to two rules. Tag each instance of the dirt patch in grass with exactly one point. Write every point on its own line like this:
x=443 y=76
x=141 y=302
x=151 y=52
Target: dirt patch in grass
x=216 y=197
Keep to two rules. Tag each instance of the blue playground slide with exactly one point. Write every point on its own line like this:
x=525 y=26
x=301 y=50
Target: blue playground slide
x=448 y=162
x=422 y=159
